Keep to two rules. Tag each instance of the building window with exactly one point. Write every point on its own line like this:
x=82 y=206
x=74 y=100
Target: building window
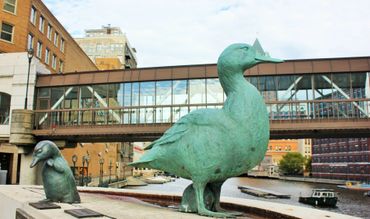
x=4 y=108
x=49 y=31
x=61 y=65
x=62 y=44
x=47 y=56
x=56 y=38
x=6 y=32
x=33 y=15
x=54 y=62
x=39 y=49
x=41 y=24
x=9 y=6
x=30 y=41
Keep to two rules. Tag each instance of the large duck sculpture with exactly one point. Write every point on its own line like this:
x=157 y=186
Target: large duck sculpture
x=209 y=146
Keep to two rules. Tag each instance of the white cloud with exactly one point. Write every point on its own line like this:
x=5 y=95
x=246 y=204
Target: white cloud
x=174 y=32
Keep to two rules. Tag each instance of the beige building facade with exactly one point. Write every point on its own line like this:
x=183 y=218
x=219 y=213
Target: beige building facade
x=108 y=48
x=15 y=159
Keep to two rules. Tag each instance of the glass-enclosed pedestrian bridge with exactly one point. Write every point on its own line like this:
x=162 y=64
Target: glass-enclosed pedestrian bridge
x=304 y=98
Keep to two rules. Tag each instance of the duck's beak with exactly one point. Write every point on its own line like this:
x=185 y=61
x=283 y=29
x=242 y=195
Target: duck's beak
x=35 y=160
x=262 y=58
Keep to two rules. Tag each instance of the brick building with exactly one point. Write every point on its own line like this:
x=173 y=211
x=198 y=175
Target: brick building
x=278 y=148
x=29 y=24
x=341 y=158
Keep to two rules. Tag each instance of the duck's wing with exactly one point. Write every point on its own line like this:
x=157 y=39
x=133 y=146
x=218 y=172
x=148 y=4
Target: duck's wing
x=205 y=117
x=57 y=164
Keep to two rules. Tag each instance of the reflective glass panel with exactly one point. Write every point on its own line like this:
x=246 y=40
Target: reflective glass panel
x=135 y=94
x=178 y=112
x=341 y=86
x=70 y=100
x=253 y=81
x=323 y=86
x=215 y=93
x=100 y=96
x=85 y=97
x=360 y=85
x=163 y=114
x=127 y=94
x=180 y=92
x=115 y=95
x=197 y=90
x=147 y=93
x=43 y=92
x=267 y=87
x=164 y=92
x=56 y=101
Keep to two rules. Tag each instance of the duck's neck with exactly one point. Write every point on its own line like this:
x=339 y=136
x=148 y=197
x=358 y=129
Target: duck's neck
x=232 y=80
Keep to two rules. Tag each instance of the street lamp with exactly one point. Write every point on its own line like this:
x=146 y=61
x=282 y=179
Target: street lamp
x=30 y=56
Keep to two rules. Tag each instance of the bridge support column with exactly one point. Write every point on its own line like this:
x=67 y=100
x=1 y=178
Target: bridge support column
x=21 y=127
x=29 y=176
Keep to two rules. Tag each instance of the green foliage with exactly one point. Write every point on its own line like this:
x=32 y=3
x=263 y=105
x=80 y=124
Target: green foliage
x=292 y=164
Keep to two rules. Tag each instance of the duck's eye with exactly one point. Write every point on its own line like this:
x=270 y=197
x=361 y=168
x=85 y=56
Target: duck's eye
x=39 y=151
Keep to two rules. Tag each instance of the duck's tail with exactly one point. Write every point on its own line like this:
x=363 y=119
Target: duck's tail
x=147 y=160
x=141 y=164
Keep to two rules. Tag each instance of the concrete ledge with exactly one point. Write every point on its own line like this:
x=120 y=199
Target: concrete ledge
x=125 y=203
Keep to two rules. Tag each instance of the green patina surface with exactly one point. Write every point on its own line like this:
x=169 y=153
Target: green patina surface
x=209 y=146
x=59 y=183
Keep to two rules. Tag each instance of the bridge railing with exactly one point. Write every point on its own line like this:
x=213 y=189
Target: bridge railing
x=168 y=114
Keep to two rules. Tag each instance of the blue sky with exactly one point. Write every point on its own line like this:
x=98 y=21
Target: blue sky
x=174 y=32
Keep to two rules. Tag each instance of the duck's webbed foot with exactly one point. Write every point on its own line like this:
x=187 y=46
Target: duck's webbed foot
x=46 y=200
x=234 y=213
x=188 y=200
x=199 y=188
x=216 y=189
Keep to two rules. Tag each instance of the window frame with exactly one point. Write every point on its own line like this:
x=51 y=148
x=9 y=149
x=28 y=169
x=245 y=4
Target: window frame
x=47 y=56
x=54 y=61
x=15 y=7
x=49 y=31
x=11 y=34
x=42 y=25
x=62 y=44
x=33 y=18
x=39 y=49
x=56 y=38
x=61 y=65
x=28 y=41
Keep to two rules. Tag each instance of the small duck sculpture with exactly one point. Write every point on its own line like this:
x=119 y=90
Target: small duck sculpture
x=59 y=183
x=209 y=146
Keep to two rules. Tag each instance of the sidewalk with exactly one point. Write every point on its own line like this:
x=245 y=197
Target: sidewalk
x=120 y=203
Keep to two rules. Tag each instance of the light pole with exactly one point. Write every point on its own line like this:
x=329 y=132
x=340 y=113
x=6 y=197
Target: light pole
x=30 y=56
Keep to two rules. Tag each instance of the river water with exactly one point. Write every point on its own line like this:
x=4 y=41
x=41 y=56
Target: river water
x=350 y=202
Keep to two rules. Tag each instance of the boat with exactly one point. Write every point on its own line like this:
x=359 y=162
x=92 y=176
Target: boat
x=354 y=185
x=158 y=180
x=321 y=198
x=367 y=194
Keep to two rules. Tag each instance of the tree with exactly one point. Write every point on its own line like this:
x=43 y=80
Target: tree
x=292 y=164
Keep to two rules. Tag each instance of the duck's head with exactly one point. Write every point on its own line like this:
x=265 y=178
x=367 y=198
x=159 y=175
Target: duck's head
x=43 y=151
x=239 y=57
